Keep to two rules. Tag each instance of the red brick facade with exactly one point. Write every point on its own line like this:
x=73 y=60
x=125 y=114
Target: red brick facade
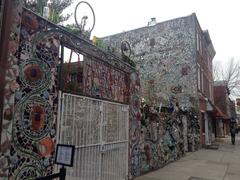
x=204 y=56
x=221 y=97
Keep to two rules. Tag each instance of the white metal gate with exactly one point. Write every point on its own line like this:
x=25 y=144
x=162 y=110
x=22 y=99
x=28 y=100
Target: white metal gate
x=99 y=130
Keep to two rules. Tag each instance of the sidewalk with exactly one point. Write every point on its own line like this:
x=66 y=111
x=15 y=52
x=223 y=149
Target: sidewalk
x=205 y=164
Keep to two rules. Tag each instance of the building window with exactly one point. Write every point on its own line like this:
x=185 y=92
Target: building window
x=200 y=46
x=208 y=60
x=199 y=77
x=202 y=81
x=198 y=42
x=211 y=90
x=207 y=87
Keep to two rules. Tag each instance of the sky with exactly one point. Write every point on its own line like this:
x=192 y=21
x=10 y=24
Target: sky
x=219 y=17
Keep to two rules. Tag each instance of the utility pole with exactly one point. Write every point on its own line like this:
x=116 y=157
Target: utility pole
x=5 y=17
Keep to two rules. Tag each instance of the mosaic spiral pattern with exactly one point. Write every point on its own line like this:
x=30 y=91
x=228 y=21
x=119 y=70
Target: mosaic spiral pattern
x=29 y=171
x=36 y=128
x=34 y=73
x=35 y=101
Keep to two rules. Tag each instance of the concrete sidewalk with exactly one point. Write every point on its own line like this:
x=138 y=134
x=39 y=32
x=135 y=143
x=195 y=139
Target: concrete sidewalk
x=205 y=164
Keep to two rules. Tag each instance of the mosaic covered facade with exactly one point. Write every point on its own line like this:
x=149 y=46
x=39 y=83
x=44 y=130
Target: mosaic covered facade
x=165 y=55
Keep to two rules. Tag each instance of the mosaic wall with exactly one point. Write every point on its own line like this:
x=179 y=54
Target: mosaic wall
x=34 y=109
x=158 y=138
x=134 y=126
x=103 y=81
x=161 y=139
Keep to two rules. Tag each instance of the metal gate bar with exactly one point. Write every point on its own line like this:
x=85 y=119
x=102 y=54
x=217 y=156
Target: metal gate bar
x=99 y=130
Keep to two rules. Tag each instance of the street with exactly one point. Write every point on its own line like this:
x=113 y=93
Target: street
x=205 y=164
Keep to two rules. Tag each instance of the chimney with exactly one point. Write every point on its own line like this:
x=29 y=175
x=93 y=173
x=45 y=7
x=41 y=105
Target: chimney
x=153 y=22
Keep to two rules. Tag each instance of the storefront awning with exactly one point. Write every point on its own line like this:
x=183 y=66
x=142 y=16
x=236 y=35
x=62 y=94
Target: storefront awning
x=217 y=113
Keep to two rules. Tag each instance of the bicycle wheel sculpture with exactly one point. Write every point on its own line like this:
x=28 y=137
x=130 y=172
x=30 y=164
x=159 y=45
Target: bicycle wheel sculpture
x=85 y=12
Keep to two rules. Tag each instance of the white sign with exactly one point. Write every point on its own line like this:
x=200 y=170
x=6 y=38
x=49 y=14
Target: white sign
x=64 y=154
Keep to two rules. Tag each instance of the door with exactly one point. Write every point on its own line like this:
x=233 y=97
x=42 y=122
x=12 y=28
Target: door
x=99 y=131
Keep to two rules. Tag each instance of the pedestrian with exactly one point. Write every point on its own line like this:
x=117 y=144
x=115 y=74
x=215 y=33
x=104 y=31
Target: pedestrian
x=233 y=133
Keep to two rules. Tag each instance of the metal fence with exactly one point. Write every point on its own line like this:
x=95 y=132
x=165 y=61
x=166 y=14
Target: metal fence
x=99 y=130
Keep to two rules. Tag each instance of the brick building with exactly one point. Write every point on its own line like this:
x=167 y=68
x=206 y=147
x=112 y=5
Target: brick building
x=175 y=63
x=225 y=106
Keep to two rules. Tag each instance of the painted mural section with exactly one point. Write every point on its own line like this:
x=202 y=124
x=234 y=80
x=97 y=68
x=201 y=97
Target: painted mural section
x=34 y=99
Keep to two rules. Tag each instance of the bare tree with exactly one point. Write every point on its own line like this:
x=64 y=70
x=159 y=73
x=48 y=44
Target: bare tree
x=230 y=73
x=217 y=71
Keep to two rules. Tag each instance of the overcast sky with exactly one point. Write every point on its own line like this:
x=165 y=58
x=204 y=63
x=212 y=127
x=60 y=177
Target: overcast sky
x=220 y=17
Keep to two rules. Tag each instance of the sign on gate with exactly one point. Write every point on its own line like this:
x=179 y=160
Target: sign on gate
x=99 y=131
x=65 y=155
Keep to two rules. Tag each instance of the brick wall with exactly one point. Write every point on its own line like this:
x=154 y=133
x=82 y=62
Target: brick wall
x=220 y=98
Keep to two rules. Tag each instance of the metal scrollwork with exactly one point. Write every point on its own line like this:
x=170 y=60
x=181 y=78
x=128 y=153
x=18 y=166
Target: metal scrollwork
x=84 y=19
x=126 y=48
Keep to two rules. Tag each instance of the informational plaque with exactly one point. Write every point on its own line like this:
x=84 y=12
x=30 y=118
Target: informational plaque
x=65 y=154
